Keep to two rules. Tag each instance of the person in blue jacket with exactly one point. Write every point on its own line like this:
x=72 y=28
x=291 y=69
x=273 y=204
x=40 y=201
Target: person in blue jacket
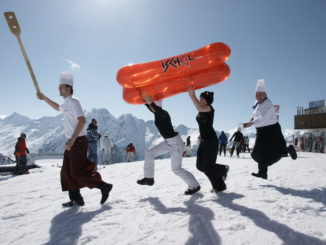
x=223 y=142
x=93 y=137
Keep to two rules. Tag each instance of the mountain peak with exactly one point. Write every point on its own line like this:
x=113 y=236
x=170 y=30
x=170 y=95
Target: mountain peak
x=17 y=119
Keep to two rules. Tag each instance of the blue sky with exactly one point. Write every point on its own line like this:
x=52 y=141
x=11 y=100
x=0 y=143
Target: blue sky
x=282 y=41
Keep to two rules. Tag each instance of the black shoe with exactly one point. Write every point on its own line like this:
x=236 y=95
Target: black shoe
x=225 y=174
x=220 y=188
x=146 y=181
x=192 y=191
x=73 y=204
x=105 y=190
x=259 y=175
x=292 y=152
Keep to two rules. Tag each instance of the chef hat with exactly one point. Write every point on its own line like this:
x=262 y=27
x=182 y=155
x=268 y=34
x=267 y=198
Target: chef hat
x=260 y=87
x=67 y=78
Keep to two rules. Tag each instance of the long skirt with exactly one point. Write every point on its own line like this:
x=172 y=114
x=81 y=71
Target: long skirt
x=270 y=145
x=77 y=170
x=206 y=162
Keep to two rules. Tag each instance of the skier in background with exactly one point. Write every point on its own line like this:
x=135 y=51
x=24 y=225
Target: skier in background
x=188 y=147
x=130 y=152
x=21 y=152
x=246 y=144
x=93 y=137
x=223 y=140
x=238 y=139
x=106 y=148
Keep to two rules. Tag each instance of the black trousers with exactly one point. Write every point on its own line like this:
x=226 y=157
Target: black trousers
x=246 y=147
x=270 y=147
x=206 y=162
x=223 y=148
x=237 y=146
x=21 y=164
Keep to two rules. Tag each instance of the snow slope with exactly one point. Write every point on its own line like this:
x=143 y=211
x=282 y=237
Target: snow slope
x=289 y=208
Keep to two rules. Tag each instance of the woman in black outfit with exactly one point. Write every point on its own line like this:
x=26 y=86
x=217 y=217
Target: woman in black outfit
x=208 y=147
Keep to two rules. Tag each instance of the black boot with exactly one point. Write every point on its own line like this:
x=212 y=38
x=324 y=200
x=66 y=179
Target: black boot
x=146 y=181
x=75 y=199
x=105 y=190
x=220 y=186
x=292 y=152
x=259 y=175
x=192 y=191
x=72 y=204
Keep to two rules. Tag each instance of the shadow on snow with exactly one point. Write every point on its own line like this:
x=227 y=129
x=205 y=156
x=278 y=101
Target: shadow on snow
x=200 y=221
x=66 y=227
x=284 y=232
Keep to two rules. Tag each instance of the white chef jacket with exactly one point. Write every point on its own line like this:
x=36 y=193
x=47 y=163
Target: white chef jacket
x=72 y=109
x=264 y=114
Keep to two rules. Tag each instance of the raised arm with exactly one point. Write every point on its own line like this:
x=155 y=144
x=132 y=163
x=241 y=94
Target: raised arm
x=53 y=104
x=193 y=97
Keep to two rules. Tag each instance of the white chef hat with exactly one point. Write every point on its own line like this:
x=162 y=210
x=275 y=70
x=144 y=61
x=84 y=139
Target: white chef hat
x=67 y=78
x=260 y=87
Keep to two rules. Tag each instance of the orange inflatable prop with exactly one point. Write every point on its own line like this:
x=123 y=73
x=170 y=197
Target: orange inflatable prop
x=169 y=88
x=164 y=78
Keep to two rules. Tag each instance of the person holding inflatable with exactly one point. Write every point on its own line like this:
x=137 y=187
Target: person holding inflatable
x=172 y=144
x=208 y=147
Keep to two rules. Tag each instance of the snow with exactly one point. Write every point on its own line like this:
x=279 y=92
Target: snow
x=289 y=208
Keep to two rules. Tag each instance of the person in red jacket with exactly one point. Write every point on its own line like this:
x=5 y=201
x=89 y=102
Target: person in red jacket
x=130 y=152
x=21 y=152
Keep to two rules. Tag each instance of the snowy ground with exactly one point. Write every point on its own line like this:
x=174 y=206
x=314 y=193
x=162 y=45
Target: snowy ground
x=289 y=208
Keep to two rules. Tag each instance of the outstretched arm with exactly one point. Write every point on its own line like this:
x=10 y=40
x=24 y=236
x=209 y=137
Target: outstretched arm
x=53 y=104
x=248 y=124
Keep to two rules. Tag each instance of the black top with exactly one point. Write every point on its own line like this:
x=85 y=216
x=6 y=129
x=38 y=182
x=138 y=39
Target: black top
x=205 y=121
x=238 y=136
x=163 y=121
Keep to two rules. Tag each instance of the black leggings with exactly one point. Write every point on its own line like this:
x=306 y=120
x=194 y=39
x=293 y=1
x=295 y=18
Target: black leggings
x=206 y=162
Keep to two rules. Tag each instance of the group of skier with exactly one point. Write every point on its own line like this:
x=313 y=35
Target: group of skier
x=79 y=171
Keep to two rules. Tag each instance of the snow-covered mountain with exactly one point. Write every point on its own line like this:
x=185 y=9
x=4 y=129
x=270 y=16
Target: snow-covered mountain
x=5 y=159
x=45 y=135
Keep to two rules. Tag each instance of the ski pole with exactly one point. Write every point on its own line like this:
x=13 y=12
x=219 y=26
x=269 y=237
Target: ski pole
x=15 y=29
